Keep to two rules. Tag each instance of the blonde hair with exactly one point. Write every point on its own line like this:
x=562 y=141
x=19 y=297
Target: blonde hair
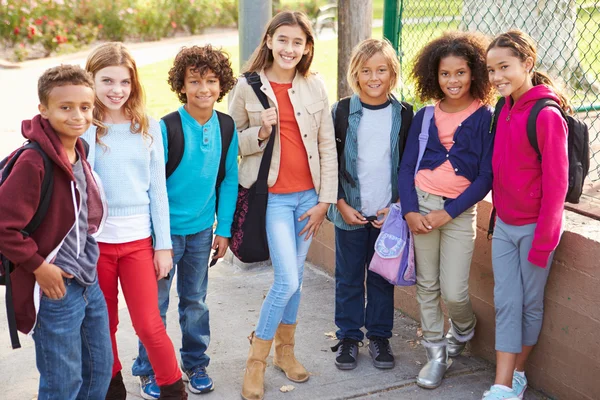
x=263 y=56
x=363 y=52
x=116 y=54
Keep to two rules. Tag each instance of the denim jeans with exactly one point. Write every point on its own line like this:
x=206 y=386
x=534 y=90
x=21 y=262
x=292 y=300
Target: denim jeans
x=353 y=253
x=190 y=260
x=72 y=344
x=288 y=253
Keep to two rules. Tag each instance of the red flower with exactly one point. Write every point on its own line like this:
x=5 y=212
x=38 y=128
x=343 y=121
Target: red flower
x=100 y=26
x=173 y=24
x=38 y=21
x=17 y=31
x=31 y=31
x=50 y=23
x=61 y=39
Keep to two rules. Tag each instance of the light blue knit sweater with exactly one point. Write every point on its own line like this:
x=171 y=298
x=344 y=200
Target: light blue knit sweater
x=132 y=170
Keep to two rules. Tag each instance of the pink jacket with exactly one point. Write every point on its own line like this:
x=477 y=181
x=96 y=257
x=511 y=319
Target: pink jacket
x=524 y=190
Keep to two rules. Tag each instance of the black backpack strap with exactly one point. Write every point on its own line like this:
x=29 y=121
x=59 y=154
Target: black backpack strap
x=406 y=114
x=342 y=112
x=532 y=121
x=227 y=126
x=497 y=110
x=175 y=141
x=253 y=80
x=492 y=223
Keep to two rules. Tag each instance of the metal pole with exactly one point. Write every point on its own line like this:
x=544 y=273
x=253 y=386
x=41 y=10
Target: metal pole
x=253 y=17
x=391 y=21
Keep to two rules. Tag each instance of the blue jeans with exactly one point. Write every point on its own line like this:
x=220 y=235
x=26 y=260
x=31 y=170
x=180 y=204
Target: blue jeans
x=288 y=253
x=72 y=344
x=353 y=253
x=190 y=260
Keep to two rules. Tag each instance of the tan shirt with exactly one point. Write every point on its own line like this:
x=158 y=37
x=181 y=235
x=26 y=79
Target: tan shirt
x=311 y=107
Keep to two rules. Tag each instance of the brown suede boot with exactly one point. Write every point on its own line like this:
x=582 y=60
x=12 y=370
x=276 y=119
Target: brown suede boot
x=284 y=358
x=174 y=391
x=116 y=390
x=254 y=376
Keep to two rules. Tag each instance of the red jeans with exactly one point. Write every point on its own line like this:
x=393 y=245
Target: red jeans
x=132 y=264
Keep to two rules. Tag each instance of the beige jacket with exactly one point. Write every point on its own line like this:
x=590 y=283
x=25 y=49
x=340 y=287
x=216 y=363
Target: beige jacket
x=309 y=100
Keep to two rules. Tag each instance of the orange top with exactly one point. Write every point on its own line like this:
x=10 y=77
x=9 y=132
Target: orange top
x=294 y=172
x=443 y=181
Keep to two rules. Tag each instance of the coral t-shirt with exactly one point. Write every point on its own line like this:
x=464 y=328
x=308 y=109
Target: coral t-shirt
x=443 y=181
x=294 y=171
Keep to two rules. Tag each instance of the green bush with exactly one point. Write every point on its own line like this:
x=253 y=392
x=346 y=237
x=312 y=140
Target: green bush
x=55 y=26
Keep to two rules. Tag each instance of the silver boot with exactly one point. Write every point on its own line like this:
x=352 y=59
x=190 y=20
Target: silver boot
x=432 y=373
x=456 y=342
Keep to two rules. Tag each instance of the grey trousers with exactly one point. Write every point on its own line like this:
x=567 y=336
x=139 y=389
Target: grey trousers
x=443 y=258
x=518 y=287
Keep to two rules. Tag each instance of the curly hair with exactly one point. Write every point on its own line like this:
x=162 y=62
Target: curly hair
x=201 y=59
x=61 y=76
x=471 y=46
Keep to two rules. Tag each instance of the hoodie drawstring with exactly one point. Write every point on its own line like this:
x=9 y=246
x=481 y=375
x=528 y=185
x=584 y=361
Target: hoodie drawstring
x=76 y=217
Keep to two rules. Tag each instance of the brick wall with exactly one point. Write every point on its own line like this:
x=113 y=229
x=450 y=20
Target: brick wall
x=566 y=362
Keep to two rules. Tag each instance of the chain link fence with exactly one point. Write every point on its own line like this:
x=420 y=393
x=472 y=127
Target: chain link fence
x=567 y=33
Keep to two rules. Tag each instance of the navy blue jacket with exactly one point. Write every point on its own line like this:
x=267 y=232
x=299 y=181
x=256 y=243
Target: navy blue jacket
x=470 y=155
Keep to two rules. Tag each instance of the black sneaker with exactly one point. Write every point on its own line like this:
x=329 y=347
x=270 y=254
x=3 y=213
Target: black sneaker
x=347 y=351
x=381 y=352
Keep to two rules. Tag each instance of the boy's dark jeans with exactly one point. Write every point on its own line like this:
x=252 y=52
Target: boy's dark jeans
x=354 y=250
x=72 y=344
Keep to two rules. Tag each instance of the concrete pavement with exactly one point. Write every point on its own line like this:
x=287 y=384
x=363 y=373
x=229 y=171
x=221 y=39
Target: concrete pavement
x=235 y=296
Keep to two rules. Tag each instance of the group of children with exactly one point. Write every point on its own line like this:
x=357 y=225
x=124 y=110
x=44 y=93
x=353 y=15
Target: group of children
x=118 y=216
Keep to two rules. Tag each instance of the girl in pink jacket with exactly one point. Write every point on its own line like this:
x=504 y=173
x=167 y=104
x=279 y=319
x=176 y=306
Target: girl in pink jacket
x=528 y=193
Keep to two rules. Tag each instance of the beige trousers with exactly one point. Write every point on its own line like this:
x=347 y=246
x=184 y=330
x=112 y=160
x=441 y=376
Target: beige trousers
x=443 y=259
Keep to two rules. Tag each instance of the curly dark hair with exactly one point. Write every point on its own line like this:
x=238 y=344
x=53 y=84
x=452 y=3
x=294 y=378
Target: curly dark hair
x=202 y=59
x=471 y=46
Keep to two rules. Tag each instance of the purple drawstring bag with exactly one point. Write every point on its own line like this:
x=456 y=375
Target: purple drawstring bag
x=394 y=257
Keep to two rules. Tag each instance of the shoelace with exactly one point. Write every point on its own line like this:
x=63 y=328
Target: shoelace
x=198 y=371
x=382 y=344
x=346 y=345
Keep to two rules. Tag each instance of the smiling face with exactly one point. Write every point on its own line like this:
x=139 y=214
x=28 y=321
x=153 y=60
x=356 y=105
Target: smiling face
x=69 y=110
x=288 y=45
x=508 y=73
x=201 y=91
x=113 y=87
x=454 y=78
x=374 y=80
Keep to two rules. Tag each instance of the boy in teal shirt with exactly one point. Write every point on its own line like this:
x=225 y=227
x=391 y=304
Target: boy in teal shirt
x=200 y=76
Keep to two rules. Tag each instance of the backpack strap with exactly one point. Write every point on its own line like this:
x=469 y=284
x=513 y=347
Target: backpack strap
x=406 y=114
x=532 y=121
x=45 y=197
x=342 y=112
x=86 y=147
x=227 y=126
x=175 y=141
x=499 y=104
x=254 y=81
x=424 y=135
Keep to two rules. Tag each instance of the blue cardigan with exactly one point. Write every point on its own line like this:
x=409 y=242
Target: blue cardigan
x=470 y=155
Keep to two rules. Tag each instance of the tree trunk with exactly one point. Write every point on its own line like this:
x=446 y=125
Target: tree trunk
x=551 y=23
x=354 y=25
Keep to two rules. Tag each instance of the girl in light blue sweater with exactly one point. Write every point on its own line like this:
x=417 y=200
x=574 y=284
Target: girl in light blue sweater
x=135 y=245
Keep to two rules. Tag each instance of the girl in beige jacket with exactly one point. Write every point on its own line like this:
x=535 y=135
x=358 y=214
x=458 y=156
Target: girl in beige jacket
x=302 y=179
